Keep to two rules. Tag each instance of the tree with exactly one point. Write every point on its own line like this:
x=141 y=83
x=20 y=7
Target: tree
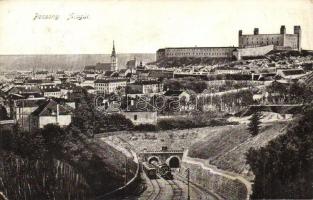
x=3 y=113
x=284 y=168
x=254 y=124
x=54 y=138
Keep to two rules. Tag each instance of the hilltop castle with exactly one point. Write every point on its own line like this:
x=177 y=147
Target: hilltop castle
x=248 y=46
x=281 y=41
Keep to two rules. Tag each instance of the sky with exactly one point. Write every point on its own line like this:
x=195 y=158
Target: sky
x=142 y=26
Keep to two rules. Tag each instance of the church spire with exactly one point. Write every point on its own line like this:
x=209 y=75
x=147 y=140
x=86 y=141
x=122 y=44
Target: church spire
x=113 y=51
x=113 y=59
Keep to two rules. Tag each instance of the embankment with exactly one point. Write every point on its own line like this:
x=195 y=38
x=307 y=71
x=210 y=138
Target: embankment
x=133 y=179
x=225 y=184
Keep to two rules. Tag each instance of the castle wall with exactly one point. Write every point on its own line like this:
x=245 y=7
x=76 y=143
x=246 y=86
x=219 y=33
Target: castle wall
x=253 y=52
x=281 y=41
x=213 y=52
x=261 y=40
x=196 y=52
x=291 y=40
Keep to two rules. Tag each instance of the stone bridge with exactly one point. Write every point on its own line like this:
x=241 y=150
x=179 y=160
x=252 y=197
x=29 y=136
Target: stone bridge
x=171 y=157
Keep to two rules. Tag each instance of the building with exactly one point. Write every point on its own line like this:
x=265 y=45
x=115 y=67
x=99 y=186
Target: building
x=141 y=117
x=281 y=41
x=99 y=68
x=88 y=81
x=291 y=74
x=21 y=109
x=131 y=65
x=25 y=91
x=110 y=85
x=178 y=94
x=45 y=86
x=52 y=92
x=41 y=75
x=227 y=70
x=196 y=52
x=159 y=73
x=90 y=89
x=125 y=73
x=145 y=87
x=51 y=112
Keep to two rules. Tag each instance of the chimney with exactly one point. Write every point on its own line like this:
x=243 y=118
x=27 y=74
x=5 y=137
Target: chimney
x=283 y=29
x=240 y=32
x=256 y=31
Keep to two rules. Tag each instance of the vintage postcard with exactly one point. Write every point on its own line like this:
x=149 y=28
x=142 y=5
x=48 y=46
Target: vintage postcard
x=156 y=99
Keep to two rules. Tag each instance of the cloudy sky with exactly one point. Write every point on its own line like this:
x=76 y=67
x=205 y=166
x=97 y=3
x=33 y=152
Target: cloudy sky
x=139 y=26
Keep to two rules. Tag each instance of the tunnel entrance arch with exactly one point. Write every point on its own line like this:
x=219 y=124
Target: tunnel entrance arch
x=153 y=158
x=173 y=162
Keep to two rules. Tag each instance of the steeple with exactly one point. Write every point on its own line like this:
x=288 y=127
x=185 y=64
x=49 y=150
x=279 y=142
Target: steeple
x=113 y=59
x=113 y=51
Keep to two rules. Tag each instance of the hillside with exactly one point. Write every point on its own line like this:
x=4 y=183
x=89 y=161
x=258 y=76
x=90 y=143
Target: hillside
x=227 y=146
x=73 y=62
x=189 y=61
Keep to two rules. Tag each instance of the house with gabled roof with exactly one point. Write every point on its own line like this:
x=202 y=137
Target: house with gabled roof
x=52 y=112
x=177 y=94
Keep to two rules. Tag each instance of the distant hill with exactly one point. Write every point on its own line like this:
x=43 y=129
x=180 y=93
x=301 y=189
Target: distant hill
x=73 y=62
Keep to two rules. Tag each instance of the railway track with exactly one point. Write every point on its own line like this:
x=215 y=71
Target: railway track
x=158 y=191
x=177 y=190
x=154 y=193
x=201 y=193
x=161 y=190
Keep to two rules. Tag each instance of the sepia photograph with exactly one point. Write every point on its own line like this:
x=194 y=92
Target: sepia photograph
x=156 y=99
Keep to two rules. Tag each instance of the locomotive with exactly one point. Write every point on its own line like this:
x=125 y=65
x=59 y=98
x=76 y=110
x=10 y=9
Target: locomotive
x=163 y=170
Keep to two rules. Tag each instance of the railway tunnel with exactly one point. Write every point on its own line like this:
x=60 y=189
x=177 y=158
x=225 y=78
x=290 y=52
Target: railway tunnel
x=171 y=157
x=173 y=162
x=153 y=158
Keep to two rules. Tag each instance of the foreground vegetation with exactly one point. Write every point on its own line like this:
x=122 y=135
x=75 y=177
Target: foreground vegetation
x=284 y=168
x=57 y=163
x=31 y=167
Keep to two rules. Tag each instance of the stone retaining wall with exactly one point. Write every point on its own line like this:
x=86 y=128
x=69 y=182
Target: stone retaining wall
x=230 y=187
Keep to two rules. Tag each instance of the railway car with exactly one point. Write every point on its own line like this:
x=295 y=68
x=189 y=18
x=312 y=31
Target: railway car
x=150 y=170
x=163 y=169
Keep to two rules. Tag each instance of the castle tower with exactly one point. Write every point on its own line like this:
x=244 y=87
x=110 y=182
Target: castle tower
x=113 y=59
x=282 y=29
x=256 y=31
x=239 y=38
x=297 y=31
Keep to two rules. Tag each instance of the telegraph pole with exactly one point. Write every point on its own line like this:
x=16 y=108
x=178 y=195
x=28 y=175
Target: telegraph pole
x=188 y=180
x=125 y=169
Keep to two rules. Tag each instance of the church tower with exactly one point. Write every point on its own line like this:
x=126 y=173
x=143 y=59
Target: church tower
x=113 y=59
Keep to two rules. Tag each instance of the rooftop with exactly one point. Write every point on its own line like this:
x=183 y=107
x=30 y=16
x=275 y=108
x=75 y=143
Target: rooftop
x=111 y=80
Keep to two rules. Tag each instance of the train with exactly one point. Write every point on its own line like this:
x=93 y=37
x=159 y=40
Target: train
x=163 y=170
x=154 y=169
x=150 y=170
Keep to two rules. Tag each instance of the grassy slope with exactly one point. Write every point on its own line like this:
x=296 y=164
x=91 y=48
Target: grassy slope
x=226 y=147
x=106 y=175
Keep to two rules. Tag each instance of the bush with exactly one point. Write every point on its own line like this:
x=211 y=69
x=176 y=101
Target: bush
x=145 y=127
x=194 y=122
